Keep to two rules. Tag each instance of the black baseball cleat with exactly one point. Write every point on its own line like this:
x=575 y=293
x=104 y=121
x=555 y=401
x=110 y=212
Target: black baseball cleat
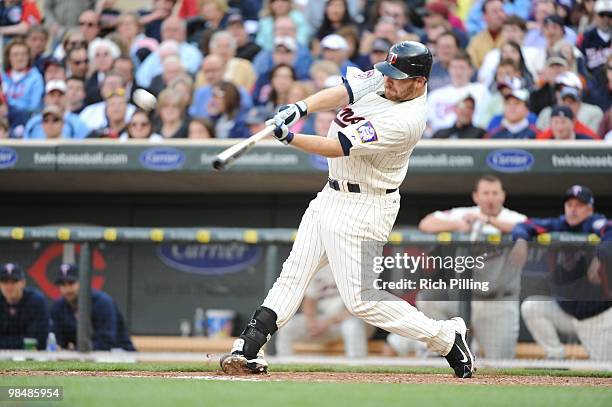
x=460 y=357
x=236 y=364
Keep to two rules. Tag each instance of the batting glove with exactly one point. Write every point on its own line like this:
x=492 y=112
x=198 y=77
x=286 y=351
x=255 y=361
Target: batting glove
x=290 y=114
x=281 y=131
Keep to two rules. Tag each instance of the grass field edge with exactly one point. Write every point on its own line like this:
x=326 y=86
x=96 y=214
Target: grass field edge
x=33 y=366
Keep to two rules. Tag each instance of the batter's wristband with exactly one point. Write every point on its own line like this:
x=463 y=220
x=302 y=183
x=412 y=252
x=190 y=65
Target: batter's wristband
x=289 y=137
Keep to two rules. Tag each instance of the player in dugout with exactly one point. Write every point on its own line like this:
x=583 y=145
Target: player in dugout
x=109 y=330
x=23 y=311
x=580 y=303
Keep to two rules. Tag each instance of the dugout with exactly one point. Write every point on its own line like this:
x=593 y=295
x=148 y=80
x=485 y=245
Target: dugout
x=100 y=183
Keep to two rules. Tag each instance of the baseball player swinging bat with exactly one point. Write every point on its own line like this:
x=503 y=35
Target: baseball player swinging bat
x=228 y=156
x=368 y=147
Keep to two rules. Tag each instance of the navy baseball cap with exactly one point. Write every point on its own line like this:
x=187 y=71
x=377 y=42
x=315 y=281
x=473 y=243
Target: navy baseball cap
x=562 y=111
x=67 y=273
x=11 y=271
x=581 y=193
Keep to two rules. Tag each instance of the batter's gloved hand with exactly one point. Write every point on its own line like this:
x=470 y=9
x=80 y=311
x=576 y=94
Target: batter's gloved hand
x=290 y=114
x=281 y=131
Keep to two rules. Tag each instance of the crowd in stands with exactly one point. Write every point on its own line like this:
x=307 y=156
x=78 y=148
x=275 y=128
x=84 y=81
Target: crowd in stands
x=513 y=69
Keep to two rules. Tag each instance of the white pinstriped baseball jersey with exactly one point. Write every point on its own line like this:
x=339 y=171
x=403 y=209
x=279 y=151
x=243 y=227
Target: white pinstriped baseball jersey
x=382 y=134
x=379 y=136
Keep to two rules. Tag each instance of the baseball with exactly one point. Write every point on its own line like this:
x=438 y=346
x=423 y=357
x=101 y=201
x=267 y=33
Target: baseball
x=144 y=100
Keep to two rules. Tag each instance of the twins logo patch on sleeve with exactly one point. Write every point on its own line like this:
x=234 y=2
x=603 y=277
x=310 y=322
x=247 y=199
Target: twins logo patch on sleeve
x=366 y=133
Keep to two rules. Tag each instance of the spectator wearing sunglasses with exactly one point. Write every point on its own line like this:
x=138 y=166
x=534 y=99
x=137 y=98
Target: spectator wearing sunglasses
x=89 y=25
x=140 y=128
x=53 y=122
x=73 y=38
x=77 y=63
x=64 y=14
x=101 y=53
x=73 y=127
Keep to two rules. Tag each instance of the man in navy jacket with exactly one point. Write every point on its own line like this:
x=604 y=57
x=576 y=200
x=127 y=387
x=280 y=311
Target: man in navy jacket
x=23 y=311
x=582 y=303
x=109 y=330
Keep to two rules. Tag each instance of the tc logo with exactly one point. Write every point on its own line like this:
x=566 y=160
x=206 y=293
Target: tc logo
x=392 y=58
x=42 y=265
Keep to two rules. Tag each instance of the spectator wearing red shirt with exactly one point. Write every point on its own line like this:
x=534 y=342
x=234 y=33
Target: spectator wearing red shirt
x=563 y=127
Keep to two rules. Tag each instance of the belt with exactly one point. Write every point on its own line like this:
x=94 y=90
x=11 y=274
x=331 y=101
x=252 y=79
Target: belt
x=350 y=187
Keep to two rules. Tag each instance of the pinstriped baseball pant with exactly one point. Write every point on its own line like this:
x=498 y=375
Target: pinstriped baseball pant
x=331 y=231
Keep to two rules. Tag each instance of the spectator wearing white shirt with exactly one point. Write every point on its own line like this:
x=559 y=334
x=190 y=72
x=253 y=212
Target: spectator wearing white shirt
x=442 y=101
x=94 y=116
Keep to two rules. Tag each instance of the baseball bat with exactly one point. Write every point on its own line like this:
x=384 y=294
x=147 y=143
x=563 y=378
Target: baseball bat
x=228 y=156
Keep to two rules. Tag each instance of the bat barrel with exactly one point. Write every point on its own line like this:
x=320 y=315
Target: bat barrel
x=228 y=156
x=218 y=164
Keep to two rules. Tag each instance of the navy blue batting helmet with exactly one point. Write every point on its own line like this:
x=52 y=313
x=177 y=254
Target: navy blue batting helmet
x=406 y=59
